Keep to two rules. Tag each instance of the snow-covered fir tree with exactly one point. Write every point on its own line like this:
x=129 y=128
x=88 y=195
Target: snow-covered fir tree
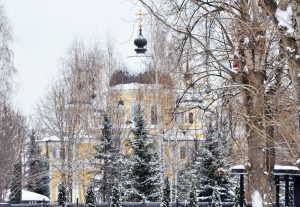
x=192 y=200
x=62 y=195
x=237 y=198
x=186 y=176
x=38 y=180
x=216 y=197
x=125 y=178
x=115 y=198
x=145 y=172
x=211 y=165
x=16 y=185
x=106 y=161
x=166 y=194
x=90 y=196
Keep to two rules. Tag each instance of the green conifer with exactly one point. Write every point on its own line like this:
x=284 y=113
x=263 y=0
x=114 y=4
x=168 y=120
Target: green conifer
x=216 y=198
x=192 y=201
x=62 y=195
x=115 y=199
x=90 y=196
x=166 y=194
x=145 y=171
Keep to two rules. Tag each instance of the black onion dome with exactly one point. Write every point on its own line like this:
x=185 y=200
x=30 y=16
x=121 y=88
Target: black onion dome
x=140 y=42
x=148 y=77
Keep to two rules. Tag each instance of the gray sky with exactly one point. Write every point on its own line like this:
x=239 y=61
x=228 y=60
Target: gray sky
x=44 y=29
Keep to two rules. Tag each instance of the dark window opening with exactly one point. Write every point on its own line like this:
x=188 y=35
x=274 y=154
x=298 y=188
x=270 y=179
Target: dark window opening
x=191 y=118
x=154 y=115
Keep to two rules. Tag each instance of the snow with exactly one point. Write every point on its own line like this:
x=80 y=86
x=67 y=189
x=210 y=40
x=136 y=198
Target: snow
x=285 y=167
x=256 y=199
x=31 y=196
x=246 y=41
x=238 y=167
x=133 y=86
x=51 y=138
x=137 y=64
x=284 y=18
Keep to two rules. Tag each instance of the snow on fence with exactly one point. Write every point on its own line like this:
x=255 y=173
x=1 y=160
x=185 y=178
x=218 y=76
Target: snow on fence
x=127 y=204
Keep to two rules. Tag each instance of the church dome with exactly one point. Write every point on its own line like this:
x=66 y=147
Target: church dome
x=139 y=68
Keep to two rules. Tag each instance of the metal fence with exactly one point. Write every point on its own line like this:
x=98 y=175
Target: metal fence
x=126 y=204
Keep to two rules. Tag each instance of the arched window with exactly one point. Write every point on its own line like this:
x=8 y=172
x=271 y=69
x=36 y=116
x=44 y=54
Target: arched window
x=136 y=109
x=154 y=115
x=182 y=152
x=191 y=118
x=120 y=103
x=54 y=152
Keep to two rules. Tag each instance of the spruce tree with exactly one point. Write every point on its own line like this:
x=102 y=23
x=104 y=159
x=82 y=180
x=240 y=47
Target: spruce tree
x=216 y=198
x=237 y=198
x=16 y=186
x=192 y=201
x=62 y=195
x=90 y=196
x=38 y=169
x=115 y=199
x=166 y=194
x=145 y=170
x=186 y=176
x=106 y=161
x=209 y=167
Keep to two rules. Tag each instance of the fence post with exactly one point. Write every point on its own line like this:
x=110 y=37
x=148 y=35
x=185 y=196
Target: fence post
x=110 y=200
x=44 y=202
x=176 y=201
x=144 y=203
x=77 y=203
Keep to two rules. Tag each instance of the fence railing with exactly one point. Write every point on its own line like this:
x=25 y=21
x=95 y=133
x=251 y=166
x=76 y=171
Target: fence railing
x=125 y=204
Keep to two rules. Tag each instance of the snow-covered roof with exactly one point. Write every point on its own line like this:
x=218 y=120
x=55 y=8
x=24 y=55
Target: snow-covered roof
x=51 y=138
x=132 y=86
x=238 y=169
x=285 y=167
x=138 y=63
x=31 y=196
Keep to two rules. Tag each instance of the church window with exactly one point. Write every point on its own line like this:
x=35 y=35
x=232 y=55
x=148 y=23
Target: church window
x=182 y=152
x=54 y=152
x=191 y=118
x=120 y=103
x=136 y=109
x=154 y=115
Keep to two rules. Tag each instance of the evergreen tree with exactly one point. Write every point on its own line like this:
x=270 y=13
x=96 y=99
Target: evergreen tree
x=186 y=176
x=16 y=186
x=125 y=179
x=106 y=161
x=90 y=196
x=210 y=164
x=166 y=194
x=38 y=172
x=115 y=199
x=237 y=198
x=62 y=195
x=145 y=170
x=192 y=201
x=216 y=198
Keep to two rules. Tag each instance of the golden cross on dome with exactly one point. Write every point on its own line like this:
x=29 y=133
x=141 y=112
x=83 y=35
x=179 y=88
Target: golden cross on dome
x=140 y=15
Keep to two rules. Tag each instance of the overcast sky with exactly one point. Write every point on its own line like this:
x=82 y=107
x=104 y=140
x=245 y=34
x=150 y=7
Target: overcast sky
x=44 y=29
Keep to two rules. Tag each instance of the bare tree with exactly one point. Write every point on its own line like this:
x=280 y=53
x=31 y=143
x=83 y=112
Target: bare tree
x=72 y=109
x=231 y=44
